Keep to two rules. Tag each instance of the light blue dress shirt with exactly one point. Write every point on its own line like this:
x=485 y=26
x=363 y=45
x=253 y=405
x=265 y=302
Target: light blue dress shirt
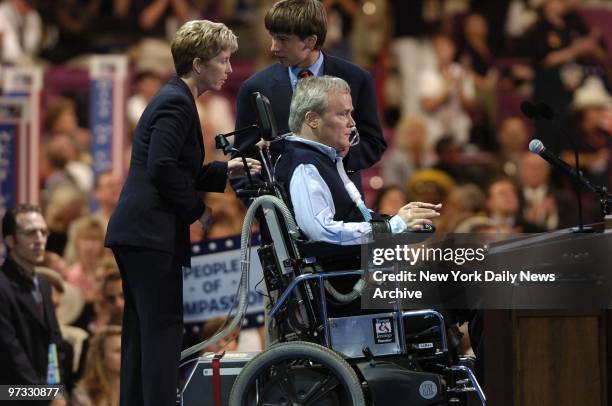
x=316 y=69
x=314 y=206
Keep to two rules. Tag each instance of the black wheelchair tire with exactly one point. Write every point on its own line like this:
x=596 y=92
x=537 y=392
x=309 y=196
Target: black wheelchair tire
x=297 y=350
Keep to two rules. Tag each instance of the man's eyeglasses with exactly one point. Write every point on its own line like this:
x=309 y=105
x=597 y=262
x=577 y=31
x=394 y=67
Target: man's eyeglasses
x=31 y=232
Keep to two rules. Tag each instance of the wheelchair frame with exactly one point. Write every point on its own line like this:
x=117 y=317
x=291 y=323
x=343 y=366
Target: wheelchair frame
x=291 y=275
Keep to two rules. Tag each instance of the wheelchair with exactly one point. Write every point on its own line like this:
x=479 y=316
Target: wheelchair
x=323 y=351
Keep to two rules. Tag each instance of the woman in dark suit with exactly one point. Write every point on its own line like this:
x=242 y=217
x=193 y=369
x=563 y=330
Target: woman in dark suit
x=149 y=230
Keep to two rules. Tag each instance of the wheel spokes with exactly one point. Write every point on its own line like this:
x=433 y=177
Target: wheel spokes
x=320 y=389
x=286 y=383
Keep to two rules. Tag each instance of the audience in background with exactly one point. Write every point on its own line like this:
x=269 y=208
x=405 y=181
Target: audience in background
x=431 y=95
x=411 y=151
x=27 y=314
x=503 y=207
x=84 y=251
x=20 y=32
x=73 y=338
x=211 y=327
x=512 y=138
x=100 y=383
x=446 y=94
x=106 y=195
x=111 y=301
x=66 y=204
x=542 y=205
x=389 y=200
x=462 y=203
x=147 y=84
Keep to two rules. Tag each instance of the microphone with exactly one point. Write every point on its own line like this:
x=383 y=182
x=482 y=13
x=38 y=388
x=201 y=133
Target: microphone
x=537 y=147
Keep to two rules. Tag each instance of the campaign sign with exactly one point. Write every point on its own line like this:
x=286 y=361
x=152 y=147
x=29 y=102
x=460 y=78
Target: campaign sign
x=108 y=75
x=211 y=284
x=21 y=101
x=15 y=177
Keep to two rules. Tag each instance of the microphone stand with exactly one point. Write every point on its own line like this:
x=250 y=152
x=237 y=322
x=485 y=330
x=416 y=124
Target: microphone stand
x=541 y=110
x=605 y=198
x=577 y=186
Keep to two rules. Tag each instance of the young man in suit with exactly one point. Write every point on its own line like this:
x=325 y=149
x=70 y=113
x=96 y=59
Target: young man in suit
x=28 y=326
x=149 y=230
x=298 y=29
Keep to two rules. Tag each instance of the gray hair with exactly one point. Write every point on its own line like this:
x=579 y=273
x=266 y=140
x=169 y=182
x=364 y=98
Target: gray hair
x=312 y=94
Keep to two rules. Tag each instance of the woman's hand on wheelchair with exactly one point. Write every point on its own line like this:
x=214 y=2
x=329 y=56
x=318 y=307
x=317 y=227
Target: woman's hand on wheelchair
x=418 y=215
x=235 y=167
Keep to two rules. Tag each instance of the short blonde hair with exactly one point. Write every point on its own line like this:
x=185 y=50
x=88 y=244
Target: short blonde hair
x=96 y=381
x=403 y=126
x=200 y=39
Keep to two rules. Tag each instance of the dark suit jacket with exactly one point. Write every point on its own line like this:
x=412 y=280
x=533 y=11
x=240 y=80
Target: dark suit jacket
x=273 y=82
x=160 y=197
x=25 y=334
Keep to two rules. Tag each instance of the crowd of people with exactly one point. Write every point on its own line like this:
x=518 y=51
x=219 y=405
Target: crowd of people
x=447 y=76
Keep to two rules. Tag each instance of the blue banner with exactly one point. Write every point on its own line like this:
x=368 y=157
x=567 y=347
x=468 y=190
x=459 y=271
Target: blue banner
x=8 y=165
x=102 y=123
x=8 y=169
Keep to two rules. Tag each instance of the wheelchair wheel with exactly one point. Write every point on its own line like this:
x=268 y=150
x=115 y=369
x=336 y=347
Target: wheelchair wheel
x=297 y=373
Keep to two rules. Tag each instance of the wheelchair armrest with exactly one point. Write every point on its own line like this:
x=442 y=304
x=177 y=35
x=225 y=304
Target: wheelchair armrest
x=332 y=256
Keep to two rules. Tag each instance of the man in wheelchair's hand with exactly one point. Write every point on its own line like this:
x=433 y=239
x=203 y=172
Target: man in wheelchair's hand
x=418 y=215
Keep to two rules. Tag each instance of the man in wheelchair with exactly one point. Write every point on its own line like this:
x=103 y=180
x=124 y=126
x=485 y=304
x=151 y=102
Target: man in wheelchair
x=326 y=204
x=303 y=366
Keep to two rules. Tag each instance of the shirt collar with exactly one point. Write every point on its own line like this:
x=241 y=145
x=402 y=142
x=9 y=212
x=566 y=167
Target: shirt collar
x=316 y=69
x=325 y=149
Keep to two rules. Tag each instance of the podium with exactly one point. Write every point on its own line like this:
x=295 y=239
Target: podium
x=548 y=357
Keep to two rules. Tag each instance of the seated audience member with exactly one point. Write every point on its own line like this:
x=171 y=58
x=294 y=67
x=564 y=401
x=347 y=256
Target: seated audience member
x=543 y=206
x=20 y=32
x=326 y=204
x=212 y=326
x=28 y=325
x=112 y=297
x=100 y=383
x=389 y=200
x=429 y=185
x=73 y=338
x=148 y=84
x=448 y=153
x=591 y=106
x=55 y=262
x=502 y=204
x=462 y=203
x=411 y=151
x=84 y=251
x=106 y=194
x=56 y=153
x=446 y=94
x=66 y=204
x=512 y=137
x=61 y=121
